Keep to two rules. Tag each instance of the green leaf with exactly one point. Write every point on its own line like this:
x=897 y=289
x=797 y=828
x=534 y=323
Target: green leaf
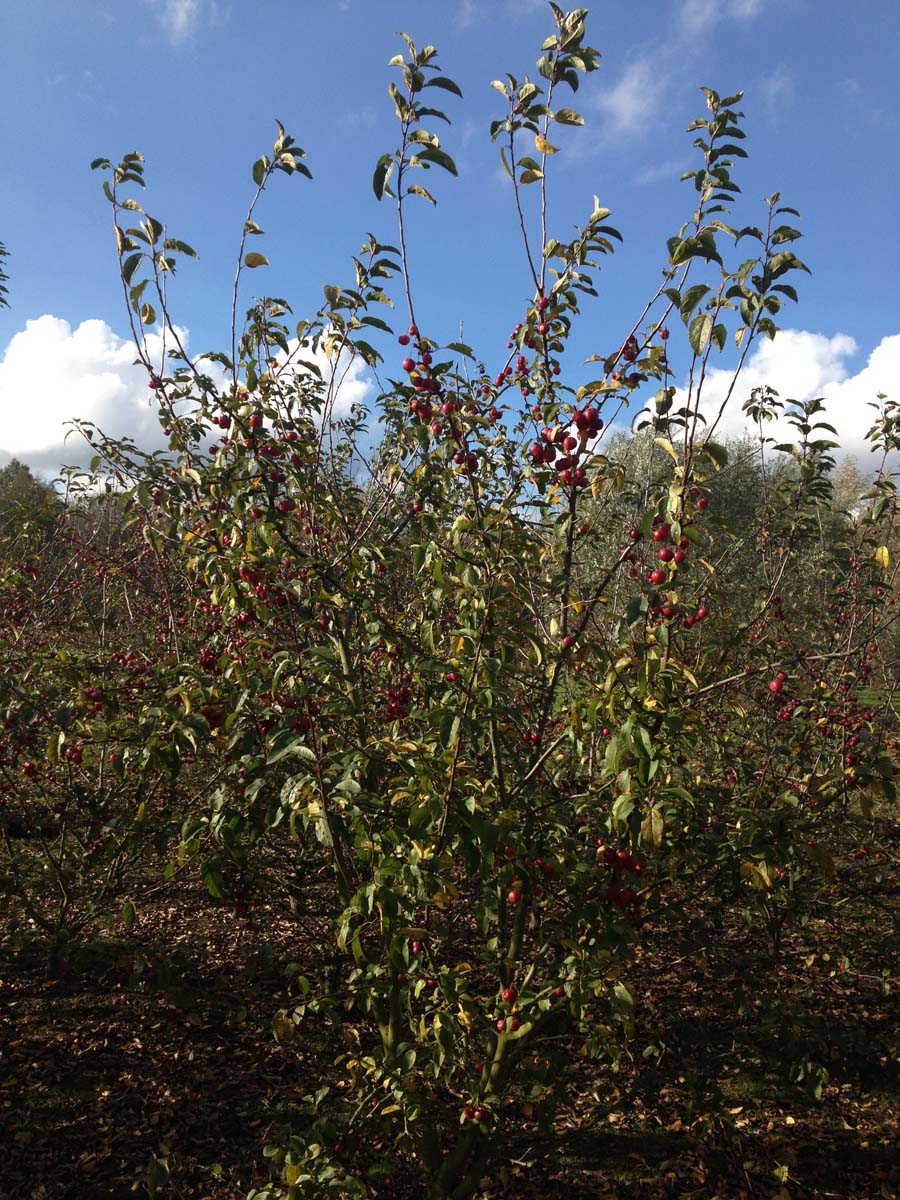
x=568 y=116
x=180 y=247
x=376 y=323
x=130 y=265
x=432 y=155
x=700 y=331
x=786 y=290
x=214 y=880
x=447 y=85
x=717 y=453
x=383 y=171
x=778 y=264
x=259 y=171
x=294 y=747
x=255 y=260
x=691 y=299
x=136 y=293
x=148 y=314
x=154 y=229
x=368 y=353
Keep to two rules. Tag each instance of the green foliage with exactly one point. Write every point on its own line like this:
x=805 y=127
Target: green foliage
x=26 y=503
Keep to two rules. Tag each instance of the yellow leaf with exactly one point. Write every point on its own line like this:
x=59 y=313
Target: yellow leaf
x=466 y=1019
x=652 y=827
x=667 y=446
x=543 y=146
x=882 y=557
x=758 y=875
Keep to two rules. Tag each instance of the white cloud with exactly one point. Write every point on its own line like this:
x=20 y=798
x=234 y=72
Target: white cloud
x=777 y=91
x=51 y=374
x=744 y=10
x=699 y=15
x=631 y=104
x=801 y=365
x=180 y=18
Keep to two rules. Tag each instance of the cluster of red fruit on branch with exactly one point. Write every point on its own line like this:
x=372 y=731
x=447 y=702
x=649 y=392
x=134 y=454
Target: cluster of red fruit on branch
x=423 y=382
x=587 y=421
x=699 y=616
x=546 y=452
x=620 y=863
x=777 y=684
x=208 y=660
x=665 y=554
x=627 y=354
x=420 y=376
x=397 y=699
x=132 y=662
x=474 y=1114
x=786 y=712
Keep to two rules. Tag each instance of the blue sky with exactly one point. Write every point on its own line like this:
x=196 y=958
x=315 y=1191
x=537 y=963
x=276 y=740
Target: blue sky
x=196 y=85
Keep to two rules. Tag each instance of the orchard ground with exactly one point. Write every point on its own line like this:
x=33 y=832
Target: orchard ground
x=158 y=1045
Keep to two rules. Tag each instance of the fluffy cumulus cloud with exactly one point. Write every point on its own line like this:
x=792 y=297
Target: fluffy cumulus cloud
x=52 y=374
x=800 y=366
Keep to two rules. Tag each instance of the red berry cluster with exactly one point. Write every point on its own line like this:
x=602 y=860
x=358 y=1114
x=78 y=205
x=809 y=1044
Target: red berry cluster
x=620 y=863
x=546 y=451
x=397 y=699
